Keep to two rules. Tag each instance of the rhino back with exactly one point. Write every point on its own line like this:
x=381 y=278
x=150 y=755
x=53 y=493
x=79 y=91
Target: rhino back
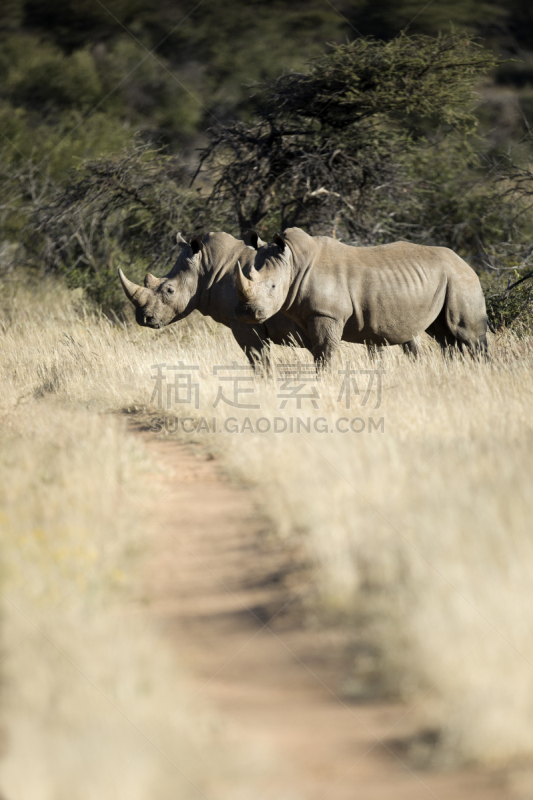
x=386 y=293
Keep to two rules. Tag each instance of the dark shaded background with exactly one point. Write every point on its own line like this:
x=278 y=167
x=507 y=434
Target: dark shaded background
x=84 y=81
x=82 y=67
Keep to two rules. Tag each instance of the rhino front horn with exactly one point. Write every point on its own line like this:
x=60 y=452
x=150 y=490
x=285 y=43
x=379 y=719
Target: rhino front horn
x=131 y=290
x=245 y=288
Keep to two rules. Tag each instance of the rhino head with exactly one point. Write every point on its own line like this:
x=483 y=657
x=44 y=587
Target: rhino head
x=162 y=301
x=263 y=294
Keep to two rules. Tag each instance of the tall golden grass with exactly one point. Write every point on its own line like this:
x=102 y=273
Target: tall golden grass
x=93 y=703
x=419 y=539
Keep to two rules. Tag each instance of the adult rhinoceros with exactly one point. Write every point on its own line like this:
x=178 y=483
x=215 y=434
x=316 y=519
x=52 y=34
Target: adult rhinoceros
x=375 y=295
x=203 y=278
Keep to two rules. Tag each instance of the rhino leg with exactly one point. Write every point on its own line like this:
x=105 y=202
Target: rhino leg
x=410 y=348
x=451 y=330
x=282 y=330
x=482 y=347
x=374 y=350
x=463 y=318
x=252 y=339
x=464 y=340
x=325 y=334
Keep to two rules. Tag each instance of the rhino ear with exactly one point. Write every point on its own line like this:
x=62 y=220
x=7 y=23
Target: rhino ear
x=180 y=241
x=196 y=244
x=251 y=238
x=150 y=281
x=280 y=241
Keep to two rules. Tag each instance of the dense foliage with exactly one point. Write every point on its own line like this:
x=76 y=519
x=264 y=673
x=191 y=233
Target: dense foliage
x=121 y=210
x=339 y=146
x=396 y=135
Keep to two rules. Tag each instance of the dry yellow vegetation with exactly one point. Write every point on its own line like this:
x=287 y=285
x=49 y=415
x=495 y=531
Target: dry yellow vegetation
x=417 y=533
x=94 y=704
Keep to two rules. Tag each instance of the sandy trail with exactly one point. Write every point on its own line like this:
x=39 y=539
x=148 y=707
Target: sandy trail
x=213 y=585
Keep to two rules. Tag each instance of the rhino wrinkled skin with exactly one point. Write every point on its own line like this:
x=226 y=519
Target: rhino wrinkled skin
x=381 y=295
x=203 y=278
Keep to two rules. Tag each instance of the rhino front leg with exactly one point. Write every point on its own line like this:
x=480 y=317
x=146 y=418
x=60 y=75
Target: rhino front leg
x=253 y=340
x=325 y=334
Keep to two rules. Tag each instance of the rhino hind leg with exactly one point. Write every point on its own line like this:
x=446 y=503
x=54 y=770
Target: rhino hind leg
x=453 y=330
x=410 y=348
x=374 y=351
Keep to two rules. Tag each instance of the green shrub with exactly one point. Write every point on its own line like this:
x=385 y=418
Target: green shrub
x=509 y=298
x=57 y=81
x=120 y=210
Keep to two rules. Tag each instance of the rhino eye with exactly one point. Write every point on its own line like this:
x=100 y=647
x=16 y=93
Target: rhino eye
x=170 y=290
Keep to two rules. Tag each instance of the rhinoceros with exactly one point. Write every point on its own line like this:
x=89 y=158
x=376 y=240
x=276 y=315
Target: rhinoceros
x=203 y=278
x=381 y=295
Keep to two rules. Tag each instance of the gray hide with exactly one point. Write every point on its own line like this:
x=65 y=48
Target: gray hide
x=203 y=278
x=380 y=295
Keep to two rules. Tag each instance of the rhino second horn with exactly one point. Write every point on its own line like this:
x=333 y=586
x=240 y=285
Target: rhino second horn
x=245 y=289
x=151 y=282
x=131 y=289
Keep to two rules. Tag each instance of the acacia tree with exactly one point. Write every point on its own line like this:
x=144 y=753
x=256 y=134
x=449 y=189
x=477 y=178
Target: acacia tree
x=330 y=148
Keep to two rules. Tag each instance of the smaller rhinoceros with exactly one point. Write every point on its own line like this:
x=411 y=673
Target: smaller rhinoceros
x=380 y=295
x=203 y=278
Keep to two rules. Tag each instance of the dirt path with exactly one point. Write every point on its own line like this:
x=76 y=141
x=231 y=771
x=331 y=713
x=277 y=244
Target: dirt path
x=214 y=585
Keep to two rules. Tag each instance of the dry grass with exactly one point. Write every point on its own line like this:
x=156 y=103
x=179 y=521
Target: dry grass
x=420 y=538
x=93 y=702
